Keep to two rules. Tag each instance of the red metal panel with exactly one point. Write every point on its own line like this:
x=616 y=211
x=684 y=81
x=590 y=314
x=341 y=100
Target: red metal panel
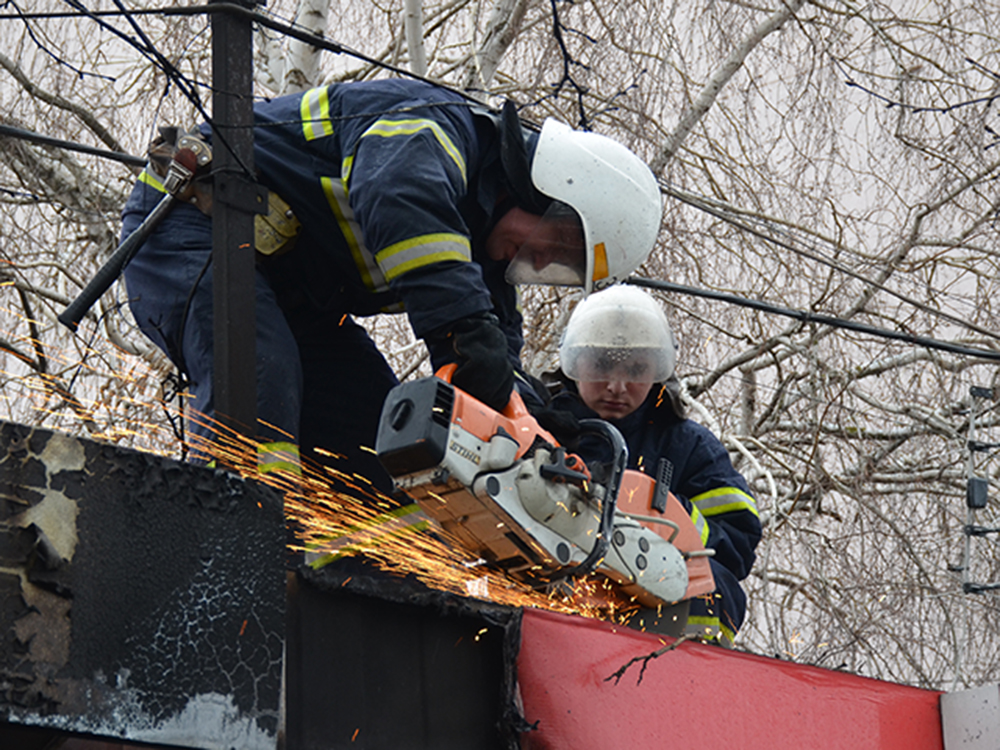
x=702 y=697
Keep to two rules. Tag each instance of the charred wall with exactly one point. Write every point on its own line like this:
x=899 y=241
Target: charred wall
x=142 y=598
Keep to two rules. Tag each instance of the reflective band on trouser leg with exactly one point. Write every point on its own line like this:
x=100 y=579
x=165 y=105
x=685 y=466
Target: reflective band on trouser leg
x=368 y=534
x=278 y=456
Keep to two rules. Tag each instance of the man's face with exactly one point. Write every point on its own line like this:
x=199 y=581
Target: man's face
x=613 y=399
x=510 y=233
x=540 y=249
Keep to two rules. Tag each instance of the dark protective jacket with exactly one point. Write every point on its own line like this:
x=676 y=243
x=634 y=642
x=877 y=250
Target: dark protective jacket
x=706 y=483
x=397 y=183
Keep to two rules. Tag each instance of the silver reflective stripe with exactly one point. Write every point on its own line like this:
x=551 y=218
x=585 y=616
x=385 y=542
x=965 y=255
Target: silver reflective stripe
x=315 y=111
x=149 y=177
x=700 y=524
x=724 y=500
x=421 y=251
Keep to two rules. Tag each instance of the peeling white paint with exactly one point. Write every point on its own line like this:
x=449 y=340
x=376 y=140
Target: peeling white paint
x=208 y=722
x=211 y=717
x=63 y=453
x=56 y=516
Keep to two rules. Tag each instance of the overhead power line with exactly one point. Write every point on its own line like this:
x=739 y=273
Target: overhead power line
x=802 y=315
x=733 y=217
x=262 y=19
x=714 y=208
x=819 y=318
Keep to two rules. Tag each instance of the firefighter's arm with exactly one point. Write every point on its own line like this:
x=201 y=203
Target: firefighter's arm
x=721 y=506
x=407 y=179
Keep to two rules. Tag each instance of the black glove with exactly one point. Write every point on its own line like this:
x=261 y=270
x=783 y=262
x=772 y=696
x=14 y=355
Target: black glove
x=563 y=425
x=484 y=369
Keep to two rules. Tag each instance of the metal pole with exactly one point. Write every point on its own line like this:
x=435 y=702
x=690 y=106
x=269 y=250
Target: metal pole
x=235 y=200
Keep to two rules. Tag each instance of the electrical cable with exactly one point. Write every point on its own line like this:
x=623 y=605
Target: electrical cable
x=291 y=30
x=726 y=213
x=44 y=140
x=700 y=202
x=810 y=317
x=184 y=85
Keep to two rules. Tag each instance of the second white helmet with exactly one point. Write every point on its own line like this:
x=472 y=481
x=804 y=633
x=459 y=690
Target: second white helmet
x=620 y=333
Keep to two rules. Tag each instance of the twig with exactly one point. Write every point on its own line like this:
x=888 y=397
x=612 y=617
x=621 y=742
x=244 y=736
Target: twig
x=617 y=676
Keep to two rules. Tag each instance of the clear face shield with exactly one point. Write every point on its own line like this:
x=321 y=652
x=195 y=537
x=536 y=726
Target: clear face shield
x=613 y=364
x=554 y=253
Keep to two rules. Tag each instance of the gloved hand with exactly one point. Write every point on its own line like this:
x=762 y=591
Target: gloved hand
x=563 y=425
x=484 y=369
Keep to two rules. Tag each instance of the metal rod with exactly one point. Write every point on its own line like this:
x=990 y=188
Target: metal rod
x=115 y=265
x=44 y=140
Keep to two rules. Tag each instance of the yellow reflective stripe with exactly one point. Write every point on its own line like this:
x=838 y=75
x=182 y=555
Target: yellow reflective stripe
x=395 y=523
x=389 y=515
x=710 y=628
x=150 y=178
x=278 y=456
x=724 y=500
x=700 y=524
x=345 y=170
x=314 y=108
x=336 y=196
x=390 y=128
x=421 y=251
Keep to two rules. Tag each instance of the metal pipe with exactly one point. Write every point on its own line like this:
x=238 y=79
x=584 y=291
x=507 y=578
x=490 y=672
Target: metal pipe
x=115 y=265
x=44 y=140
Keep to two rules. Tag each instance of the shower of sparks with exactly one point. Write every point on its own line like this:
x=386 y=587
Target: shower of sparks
x=90 y=387
x=95 y=389
x=329 y=505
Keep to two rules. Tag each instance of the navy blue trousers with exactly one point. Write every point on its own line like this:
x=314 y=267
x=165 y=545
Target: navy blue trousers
x=320 y=378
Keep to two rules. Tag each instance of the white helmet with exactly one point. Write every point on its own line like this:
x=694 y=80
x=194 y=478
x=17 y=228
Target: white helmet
x=620 y=333
x=613 y=194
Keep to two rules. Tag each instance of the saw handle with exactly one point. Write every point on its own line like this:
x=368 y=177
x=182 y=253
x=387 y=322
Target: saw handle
x=515 y=408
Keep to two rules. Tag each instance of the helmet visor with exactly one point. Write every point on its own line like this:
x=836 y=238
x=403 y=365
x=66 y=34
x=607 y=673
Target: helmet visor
x=603 y=364
x=554 y=252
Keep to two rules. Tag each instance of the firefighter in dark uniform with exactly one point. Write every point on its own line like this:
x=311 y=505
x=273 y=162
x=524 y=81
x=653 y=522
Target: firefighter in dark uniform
x=407 y=198
x=618 y=353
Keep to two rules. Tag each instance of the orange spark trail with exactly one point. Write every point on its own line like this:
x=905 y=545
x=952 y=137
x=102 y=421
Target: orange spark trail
x=328 y=503
x=115 y=396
